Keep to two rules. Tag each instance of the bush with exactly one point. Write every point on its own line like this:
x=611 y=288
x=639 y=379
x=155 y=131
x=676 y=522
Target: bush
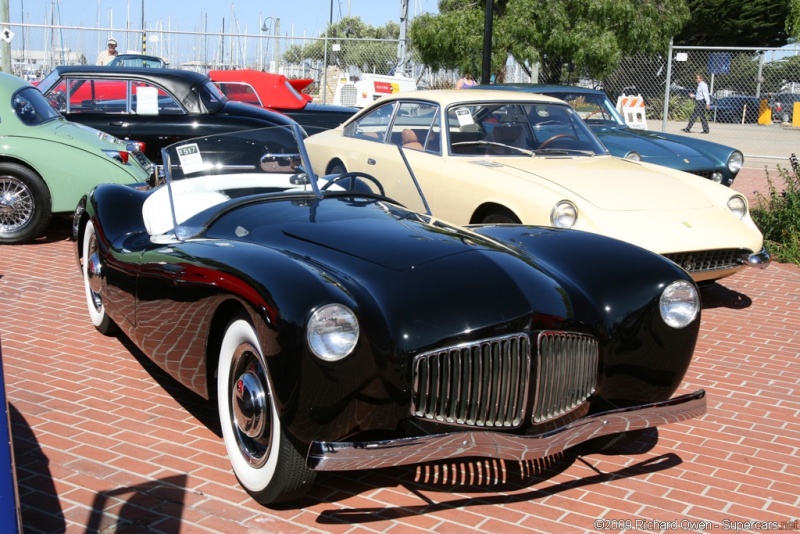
x=778 y=215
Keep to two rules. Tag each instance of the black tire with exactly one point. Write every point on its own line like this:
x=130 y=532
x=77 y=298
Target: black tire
x=264 y=458
x=25 y=204
x=338 y=168
x=92 y=272
x=500 y=216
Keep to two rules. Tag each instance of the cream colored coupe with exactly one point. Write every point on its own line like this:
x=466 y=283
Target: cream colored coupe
x=502 y=157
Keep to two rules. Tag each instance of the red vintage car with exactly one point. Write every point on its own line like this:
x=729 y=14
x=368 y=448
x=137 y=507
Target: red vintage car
x=277 y=92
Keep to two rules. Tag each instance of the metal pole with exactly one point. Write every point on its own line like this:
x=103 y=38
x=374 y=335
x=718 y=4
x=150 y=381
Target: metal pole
x=666 y=88
x=487 y=43
x=325 y=60
x=5 y=18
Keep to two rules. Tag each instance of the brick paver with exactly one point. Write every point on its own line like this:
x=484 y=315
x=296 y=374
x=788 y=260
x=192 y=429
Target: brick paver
x=105 y=441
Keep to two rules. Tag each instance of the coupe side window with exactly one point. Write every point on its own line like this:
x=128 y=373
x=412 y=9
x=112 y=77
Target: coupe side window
x=374 y=125
x=412 y=125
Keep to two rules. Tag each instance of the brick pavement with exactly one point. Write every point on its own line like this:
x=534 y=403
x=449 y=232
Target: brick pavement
x=106 y=442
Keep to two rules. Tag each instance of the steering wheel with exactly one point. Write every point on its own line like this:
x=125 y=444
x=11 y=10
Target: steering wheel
x=59 y=100
x=353 y=182
x=557 y=136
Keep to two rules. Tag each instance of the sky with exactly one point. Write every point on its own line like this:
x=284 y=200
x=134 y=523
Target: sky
x=298 y=18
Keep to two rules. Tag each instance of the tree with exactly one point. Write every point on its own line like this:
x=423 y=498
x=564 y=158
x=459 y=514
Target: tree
x=589 y=36
x=737 y=23
x=793 y=20
x=359 y=45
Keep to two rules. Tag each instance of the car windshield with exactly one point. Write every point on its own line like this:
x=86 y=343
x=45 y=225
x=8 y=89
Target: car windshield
x=592 y=107
x=519 y=129
x=207 y=171
x=32 y=107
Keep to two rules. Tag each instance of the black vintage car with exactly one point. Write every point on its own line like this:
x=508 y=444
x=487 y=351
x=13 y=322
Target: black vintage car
x=339 y=330
x=156 y=107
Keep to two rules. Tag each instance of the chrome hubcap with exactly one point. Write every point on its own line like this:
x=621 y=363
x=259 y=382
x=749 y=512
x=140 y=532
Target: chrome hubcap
x=250 y=405
x=16 y=204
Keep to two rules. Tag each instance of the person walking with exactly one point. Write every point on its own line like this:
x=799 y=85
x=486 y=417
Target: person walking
x=702 y=102
x=105 y=57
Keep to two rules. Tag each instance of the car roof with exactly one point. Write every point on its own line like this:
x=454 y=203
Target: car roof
x=541 y=88
x=455 y=96
x=179 y=83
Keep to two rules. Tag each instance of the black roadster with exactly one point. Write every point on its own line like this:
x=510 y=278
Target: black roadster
x=340 y=330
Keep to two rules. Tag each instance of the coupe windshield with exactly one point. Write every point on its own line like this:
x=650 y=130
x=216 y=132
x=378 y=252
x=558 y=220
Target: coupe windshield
x=271 y=162
x=517 y=129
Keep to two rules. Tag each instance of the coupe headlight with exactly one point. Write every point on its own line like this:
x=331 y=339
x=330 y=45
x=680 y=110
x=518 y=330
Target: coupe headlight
x=738 y=206
x=564 y=215
x=716 y=177
x=679 y=304
x=735 y=162
x=634 y=156
x=332 y=332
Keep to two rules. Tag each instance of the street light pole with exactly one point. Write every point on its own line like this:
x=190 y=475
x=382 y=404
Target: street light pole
x=325 y=59
x=144 y=33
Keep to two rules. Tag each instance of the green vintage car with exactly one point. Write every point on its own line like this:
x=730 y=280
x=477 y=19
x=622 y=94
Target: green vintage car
x=48 y=163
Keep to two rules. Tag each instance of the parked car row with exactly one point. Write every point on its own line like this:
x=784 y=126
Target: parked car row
x=489 y=156
x=325 y=275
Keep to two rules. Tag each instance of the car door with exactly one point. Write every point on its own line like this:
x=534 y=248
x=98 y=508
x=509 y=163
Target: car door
x=373 y=143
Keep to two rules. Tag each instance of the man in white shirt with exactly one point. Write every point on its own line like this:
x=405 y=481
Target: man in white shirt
x=702 y=102
x=105 y=57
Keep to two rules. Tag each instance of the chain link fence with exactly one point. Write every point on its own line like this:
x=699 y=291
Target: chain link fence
x=754 y=91
x=36 y=49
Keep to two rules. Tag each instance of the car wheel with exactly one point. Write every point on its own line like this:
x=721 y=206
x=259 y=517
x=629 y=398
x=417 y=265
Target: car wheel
x=92 y=271
x=500 y=216
x=24 y=204
x=264 y=458
x=338 y=168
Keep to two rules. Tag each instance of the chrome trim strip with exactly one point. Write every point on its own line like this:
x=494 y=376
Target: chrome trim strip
x=354 y=456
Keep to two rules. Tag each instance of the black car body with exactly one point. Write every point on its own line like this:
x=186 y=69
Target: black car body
x=716 y=162
x=156 y=107
x=339 y=330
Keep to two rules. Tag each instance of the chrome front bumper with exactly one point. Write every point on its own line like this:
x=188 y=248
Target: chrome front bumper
x=759 y=259
x=354 y=456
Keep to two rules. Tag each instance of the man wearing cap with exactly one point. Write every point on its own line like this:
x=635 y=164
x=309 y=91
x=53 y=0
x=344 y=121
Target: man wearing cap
x=105 y=57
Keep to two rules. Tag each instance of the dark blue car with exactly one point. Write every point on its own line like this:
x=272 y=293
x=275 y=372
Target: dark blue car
x=9 y=497
x=695 y=155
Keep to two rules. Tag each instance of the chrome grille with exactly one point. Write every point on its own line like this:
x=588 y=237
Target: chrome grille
x=484 y=383
x=566 y=374
x=708 y=260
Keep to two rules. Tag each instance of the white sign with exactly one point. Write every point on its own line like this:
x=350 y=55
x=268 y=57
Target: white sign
x=190 y=158
x=146 y=101
x=7 y=35
x=681 y=56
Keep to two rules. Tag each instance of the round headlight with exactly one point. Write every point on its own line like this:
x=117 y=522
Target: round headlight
x=635 y=156
x=564 y=215
x=332 y=332
x=679 y=304
x=738 y=206
x=735 y=162
x=716 y=177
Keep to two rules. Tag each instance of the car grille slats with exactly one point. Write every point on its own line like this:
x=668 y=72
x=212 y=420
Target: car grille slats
x=477 y=384
x=566 y=375
x=708 y=260
x=486 y=383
